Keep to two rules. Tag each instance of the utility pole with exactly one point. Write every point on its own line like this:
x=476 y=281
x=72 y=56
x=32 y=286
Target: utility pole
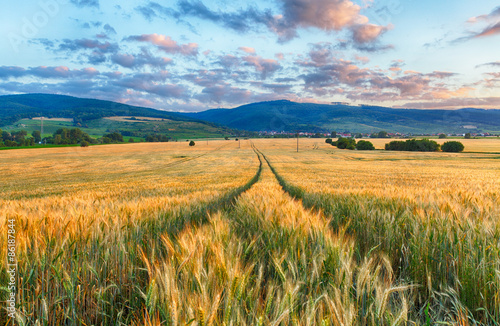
x=297 y=141
x=41 y=132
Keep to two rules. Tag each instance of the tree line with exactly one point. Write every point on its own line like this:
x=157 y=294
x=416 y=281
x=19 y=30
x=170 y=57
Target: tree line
x=411 y=145
x=62 y=136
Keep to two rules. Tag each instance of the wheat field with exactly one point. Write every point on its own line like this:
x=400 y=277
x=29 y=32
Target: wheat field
x=253 y=234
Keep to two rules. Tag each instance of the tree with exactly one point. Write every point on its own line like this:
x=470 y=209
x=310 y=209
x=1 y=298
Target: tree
x=37 y=136
x=84 y=143
x=131 y=140
x=6 y=135
x=191 y=143
x=333 y=134
x=413 y=145
x=328 y=140
x=452 y=146
x=382 y=134
x=467 y=135
x=346 y=143
x=226 y=138
x=364 y=145
x=57 y=139
x=115 y=137
x=442 y=136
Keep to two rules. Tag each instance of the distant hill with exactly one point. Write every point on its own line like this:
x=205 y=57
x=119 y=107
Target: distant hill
x=263 y=116
x=90 y=115
x=16 y=107
x=290 y=116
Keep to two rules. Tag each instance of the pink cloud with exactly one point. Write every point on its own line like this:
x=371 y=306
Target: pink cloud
x=247 y=49
x=264 y=66
x=362 y=59
x=367 y=32
x=324 y=14
x=446 y=93
x=491 y=16
x=166 y=44
x=490 y=31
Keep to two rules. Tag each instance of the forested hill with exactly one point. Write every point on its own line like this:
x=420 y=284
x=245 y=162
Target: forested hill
x=290 y=116
x=263 y=116
x=16 y=107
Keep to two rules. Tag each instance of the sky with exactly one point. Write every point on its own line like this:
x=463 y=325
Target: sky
x=193 y=55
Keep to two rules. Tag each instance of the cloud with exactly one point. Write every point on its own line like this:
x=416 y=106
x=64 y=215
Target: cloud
x=494 y=64
x=140 y=60
x=494 y=14
x=109 y=29
x=441 y=74
x=224 y=93
x=166 y=44
x=362 y=59
x=367 y=33
x=84 y=44
x=266 y=67
x=228 y=61
x=47 y=72
x=489 y=31
x=152 y=83
x=247 y=49
x=327 y=15
x=278 y=88
x=446 y=93
x=325 y=75
x=155 y=10
x=453 y=103
x=323 y=14
x=12 y=71
x=493 y=19
x=86 y=3
x=242 y=21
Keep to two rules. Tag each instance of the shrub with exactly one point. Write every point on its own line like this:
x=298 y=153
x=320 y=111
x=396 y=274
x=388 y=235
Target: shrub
x=442 y=136
x=191 y=143
x=413 y=145
x=106 y=140
x=328 y=141
x=346 y=143
x=115 y=137
x=380 y=134
x=364 y=145
x=467 y=135
x=84 y=143
x=131 y=140
x=452 y=146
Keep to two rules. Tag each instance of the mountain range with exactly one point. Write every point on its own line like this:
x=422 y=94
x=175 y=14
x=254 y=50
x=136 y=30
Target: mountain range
x=276 y=116
x=291 y=116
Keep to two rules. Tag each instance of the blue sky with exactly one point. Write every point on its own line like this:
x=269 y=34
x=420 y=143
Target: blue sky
x=191 y=55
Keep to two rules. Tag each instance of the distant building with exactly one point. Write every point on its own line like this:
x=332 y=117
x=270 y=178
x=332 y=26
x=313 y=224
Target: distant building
x=340 y=103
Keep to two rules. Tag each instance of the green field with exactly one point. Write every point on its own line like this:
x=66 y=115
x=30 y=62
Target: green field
x=140 y=128
x=257 y=234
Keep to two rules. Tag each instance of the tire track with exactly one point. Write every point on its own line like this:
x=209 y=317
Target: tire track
x=187 y=159
x=197 y=216
x=294 y=191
